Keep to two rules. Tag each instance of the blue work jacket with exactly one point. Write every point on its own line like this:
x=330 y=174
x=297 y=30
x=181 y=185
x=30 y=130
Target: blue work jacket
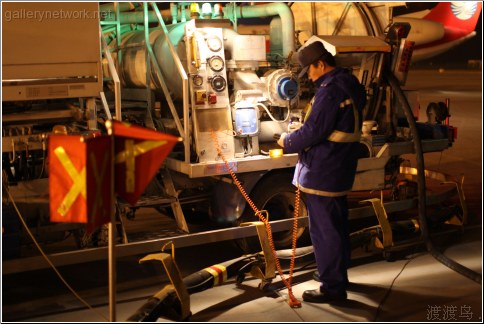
x=326 y=167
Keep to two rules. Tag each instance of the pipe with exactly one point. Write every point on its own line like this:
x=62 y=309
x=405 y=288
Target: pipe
x=272 y=9
x=123 y=6
x=174 y=12
x=394 y=83
x=266 y=10
x=137 y=17
x=184 y=12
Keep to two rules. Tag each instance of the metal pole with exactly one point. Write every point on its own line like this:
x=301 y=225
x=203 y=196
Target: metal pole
x=112 y=271
x=111 y=242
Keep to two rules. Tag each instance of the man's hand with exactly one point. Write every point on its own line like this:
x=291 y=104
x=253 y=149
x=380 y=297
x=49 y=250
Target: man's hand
x=280 y=141
x=293 y=126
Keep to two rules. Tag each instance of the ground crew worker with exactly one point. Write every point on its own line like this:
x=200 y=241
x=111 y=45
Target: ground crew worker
x=328 y=145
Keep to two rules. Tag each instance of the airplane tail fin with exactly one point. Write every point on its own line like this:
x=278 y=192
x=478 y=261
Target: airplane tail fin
x=461 y=15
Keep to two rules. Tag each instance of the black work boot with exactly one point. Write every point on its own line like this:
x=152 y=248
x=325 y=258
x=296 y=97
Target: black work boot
x=316 y=296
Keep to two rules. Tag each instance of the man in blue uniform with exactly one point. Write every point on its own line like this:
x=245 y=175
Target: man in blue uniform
x=328 y=144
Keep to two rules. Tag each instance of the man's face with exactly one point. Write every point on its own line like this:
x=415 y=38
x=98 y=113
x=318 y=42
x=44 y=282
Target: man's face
x=315 y=72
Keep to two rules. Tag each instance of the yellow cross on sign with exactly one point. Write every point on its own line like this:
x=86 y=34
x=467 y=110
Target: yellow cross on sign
x=128 y=156
x=78 y=178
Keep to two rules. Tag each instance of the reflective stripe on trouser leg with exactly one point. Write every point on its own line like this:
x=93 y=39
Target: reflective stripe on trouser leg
x=328 y=227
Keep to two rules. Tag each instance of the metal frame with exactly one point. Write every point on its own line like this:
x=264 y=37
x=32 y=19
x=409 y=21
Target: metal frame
x=183 y=130
x=196 y=239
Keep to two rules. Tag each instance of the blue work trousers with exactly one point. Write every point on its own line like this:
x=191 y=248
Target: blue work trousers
x=328 y=228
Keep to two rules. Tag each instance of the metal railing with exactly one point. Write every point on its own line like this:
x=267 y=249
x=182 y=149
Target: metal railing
x=181 y=129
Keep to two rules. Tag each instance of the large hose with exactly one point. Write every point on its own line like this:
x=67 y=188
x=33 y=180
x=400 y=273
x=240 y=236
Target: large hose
x=477 y=277
x=167 y=305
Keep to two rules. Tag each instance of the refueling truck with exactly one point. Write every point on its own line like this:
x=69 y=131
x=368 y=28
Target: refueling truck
x=200 y=73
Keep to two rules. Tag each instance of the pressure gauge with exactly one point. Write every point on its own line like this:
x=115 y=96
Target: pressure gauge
x=214 y=43
x=216 y=63
x=218 y=83
x=197 y=80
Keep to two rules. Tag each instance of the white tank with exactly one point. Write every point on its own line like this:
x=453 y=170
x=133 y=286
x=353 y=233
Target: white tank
x=133 y=63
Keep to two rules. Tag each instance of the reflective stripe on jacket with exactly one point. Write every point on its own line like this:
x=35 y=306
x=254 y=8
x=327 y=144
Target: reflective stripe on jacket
x=328 y=140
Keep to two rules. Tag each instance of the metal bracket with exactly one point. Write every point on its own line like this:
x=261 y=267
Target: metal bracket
x=460 y=191
x=270 y=264
x=175 y=277
x=381 y=214
x=444 y=179
x=175 y=205
x=121 y=228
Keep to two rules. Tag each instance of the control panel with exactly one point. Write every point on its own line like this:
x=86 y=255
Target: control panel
x=212 y=119
x=207 y=69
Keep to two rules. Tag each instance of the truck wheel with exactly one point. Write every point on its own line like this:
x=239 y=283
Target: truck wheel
x=276 y=194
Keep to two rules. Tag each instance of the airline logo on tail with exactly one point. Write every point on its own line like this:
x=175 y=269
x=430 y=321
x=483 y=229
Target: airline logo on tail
x=462 y=16
x=463 y=10
x=445 y=26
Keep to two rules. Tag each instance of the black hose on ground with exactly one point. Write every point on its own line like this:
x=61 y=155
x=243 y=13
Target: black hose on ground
x=357 y=239
x=165 y=303
x=214 y=275
x=395 y=85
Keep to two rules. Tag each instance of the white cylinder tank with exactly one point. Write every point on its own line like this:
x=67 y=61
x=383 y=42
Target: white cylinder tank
x=133 y=63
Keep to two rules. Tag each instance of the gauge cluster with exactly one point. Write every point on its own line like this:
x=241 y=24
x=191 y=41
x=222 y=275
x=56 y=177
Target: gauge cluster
x=209 y=93
x=208 y=69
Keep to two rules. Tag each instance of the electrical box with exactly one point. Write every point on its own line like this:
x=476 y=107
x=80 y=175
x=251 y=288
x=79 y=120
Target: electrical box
x=246 y=121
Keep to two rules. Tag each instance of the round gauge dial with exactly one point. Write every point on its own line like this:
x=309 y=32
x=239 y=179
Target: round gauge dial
x=218 y=83
x=216 y=63
x=197 y=80
x=214 y=43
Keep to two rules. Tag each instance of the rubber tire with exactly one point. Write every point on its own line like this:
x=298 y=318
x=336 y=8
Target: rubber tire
x=274 y=193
